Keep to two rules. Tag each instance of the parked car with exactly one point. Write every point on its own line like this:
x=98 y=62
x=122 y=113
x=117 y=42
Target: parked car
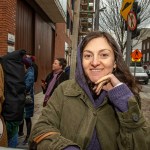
x=148 y=72
x=5 y=148
x=140 y=74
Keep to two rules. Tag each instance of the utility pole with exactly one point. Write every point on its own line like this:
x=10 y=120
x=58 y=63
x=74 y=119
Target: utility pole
x=135 y=20
x=128 y=47
x=96 y=23
x=75 y=37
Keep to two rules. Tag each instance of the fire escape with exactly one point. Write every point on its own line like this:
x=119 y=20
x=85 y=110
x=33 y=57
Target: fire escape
x=86 y=17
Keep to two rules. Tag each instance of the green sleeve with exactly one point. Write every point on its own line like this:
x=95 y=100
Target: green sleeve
x=134 y=130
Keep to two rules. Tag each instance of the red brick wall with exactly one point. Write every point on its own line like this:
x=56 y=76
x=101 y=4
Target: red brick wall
x=7 y=23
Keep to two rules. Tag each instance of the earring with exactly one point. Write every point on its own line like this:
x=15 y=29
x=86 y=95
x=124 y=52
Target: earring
x=114 y=69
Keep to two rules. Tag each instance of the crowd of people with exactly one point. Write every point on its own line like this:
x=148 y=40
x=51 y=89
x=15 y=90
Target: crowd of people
x=17 y=78
x=100 y=109
x=18 y=73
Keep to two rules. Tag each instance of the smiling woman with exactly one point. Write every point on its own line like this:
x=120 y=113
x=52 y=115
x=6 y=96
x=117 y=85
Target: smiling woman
x=98 y=109
x=98 y=59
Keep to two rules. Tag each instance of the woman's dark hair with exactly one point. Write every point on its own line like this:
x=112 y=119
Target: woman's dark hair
x=122 y=71
x=62 y=62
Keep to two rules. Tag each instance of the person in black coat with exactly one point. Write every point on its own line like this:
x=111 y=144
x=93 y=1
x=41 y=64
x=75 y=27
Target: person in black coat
x=54 y=78
x=14 y=93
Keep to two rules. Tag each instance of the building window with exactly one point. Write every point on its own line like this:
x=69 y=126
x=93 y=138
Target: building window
x=147 y=44
x=72 y=4
x=71 y=27
x=143 y=46
x=68 y=20
x=147 y=57
x=143 y=57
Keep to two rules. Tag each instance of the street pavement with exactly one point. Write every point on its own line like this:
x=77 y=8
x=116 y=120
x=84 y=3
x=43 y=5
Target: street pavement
x=145 y=95
x=37 y=111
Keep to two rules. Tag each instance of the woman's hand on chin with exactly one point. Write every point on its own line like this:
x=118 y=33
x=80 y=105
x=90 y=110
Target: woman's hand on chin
x=106 y=83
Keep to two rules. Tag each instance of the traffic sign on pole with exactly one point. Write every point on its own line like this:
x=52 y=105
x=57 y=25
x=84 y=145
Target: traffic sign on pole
x=136 y=55
x=126 y=7
x=138 y=60
x=131 y=20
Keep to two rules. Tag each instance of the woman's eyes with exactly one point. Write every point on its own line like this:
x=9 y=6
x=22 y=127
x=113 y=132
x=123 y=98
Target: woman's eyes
x=101 y=56
x=104 y=55
x=87 y=56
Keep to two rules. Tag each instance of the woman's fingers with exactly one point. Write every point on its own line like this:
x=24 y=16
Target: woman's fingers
x=107 y=77
x=100 y=83
x=112 y=79
x=100 y=86
x=106 y=82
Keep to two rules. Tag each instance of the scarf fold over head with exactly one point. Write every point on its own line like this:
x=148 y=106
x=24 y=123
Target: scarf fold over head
x=27 y=61
x=81 y=79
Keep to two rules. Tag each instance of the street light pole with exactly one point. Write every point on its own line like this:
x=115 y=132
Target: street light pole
x=96 y=25
x=75 y=38
x=128 y=47
x=97 y=10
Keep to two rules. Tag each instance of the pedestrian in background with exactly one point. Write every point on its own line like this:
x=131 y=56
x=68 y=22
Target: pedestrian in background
x=99 y=109
x=35 y=66
x=14 y=88
x=54 y=78
x=29 y=108
x=3 y=133
x=67 y=70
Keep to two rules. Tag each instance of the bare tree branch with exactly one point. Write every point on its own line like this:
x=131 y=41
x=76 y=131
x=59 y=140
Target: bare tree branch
x=111 y=20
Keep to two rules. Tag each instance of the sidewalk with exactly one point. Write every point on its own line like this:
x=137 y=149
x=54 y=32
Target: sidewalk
x=37 y=110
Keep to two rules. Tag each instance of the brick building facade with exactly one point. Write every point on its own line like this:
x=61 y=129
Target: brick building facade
x=146 y=51
x=7 y=23
x=26 y=24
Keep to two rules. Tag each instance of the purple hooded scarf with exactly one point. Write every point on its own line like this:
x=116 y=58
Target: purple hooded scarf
x=82 y=81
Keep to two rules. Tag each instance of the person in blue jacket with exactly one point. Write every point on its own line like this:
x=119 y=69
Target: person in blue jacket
x=29 y=108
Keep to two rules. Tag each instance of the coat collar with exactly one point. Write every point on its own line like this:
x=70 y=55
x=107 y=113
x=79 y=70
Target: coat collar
x=73 y=89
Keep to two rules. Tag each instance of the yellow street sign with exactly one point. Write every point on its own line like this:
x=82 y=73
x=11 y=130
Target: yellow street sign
x=134 y=60
x=126 y=7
